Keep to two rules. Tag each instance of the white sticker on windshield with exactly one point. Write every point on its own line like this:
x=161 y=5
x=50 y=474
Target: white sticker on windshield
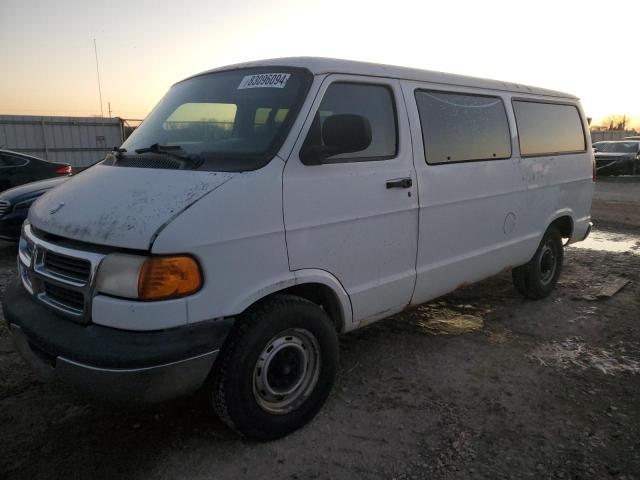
x=264 y=80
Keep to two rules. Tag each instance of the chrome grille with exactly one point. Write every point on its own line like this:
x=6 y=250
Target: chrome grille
x=58 y=276
x=4 y=207
x=77 y=269
x=66 y=298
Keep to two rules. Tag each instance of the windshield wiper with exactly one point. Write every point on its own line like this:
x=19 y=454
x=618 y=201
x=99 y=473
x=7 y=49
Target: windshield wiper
x=170 y=150
x=157 y=148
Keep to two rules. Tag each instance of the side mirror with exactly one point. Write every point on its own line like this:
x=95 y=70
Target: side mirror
x=342 y=133
x=595 y=150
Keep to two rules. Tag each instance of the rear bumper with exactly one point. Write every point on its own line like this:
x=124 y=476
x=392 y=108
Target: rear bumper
x=610 y=167
x=122 y=366
x=581 y=230
x=10 y=226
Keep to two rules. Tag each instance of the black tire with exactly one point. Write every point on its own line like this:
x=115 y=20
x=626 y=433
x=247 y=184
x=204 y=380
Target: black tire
x=241 y=376
x=536 y=279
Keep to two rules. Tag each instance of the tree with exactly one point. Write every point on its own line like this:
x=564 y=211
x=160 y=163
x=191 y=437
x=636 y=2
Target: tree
x=616 y=122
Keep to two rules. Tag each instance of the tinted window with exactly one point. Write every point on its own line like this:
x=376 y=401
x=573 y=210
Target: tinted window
x=545 y=128
x=619 y=147
x=373 y=102
x=459 y=127
x=11 y=161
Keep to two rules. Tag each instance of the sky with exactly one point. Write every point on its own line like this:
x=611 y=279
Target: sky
x=589 y=49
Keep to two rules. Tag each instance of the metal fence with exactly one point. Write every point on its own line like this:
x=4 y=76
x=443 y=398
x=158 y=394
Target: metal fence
x=79 y=141
x=598 y=136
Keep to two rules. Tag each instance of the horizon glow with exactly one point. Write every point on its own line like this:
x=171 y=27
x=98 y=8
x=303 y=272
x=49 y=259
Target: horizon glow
x=146 y=46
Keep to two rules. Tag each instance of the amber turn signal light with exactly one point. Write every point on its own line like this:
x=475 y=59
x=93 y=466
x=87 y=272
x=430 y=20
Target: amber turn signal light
x=168 y=277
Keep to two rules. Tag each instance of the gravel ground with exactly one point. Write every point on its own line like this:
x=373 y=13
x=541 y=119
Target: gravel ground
x=477 y=384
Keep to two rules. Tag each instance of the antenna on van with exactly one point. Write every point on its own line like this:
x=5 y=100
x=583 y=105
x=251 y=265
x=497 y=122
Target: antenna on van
x=95 y=50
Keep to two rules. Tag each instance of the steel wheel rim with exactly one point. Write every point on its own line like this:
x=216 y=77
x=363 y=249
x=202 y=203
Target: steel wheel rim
x=547 y=262
x=286 y=371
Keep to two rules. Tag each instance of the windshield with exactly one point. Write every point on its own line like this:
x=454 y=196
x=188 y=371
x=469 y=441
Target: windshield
x=618 y=147
x=230 y=121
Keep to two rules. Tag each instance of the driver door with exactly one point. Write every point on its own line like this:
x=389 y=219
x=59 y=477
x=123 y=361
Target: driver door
x=355 y=215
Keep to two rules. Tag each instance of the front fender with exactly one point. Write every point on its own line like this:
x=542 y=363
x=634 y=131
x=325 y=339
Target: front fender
x=301 y=277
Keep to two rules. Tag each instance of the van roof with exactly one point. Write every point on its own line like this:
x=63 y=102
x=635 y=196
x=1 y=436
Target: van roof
x=320 y=65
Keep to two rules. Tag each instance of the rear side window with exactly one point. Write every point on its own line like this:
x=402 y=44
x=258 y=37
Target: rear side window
x=461 y=127
x=11 y=161
x=548 y=128
x=267 y=118
x=375 y=103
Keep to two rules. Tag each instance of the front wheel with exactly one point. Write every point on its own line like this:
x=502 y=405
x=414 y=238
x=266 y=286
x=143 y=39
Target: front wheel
x=276 y=369
x=536 y=279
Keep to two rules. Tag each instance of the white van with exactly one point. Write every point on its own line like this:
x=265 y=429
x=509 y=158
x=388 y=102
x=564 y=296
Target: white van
x=262 y=209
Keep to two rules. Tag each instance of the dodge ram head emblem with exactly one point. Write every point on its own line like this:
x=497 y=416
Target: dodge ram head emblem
x=56 y=208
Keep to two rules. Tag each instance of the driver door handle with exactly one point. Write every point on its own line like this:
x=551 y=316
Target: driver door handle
x=400 y=183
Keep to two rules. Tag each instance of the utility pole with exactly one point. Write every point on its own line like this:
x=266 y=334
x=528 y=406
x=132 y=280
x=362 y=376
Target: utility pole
x=95 y=50
x=109 y=107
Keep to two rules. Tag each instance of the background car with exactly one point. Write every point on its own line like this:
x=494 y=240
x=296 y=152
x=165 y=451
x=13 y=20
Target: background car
x=18 y=169
x=618 y=157
x=15 y=203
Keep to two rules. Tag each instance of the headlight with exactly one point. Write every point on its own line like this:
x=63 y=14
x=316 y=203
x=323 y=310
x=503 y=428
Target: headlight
x=148 y=278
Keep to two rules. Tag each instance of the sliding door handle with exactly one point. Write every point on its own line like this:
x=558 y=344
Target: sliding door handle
x=400 y=183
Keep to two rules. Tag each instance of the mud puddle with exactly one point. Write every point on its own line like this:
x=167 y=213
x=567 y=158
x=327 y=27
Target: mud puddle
x=611 y=242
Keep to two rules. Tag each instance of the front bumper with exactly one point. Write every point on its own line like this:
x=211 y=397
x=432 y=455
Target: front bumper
x=123 y=366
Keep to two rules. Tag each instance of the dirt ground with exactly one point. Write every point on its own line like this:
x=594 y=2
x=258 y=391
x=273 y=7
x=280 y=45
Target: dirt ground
x=478 y=384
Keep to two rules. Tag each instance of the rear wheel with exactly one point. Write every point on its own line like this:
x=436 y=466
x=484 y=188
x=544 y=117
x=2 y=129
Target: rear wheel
x=276 y=369
x=536 y=279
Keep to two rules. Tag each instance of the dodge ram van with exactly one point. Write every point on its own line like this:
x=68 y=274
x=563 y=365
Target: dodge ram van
x=262 y=209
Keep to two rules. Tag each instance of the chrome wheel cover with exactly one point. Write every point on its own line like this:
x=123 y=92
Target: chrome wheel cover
x=287 y=371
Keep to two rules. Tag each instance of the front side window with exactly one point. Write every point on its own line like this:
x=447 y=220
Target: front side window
x=548 y=128
x=458 y=127
x=374 y=103
x=230 y=121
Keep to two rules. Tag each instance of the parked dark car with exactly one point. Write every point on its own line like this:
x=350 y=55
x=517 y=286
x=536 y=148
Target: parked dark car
x=15 y=203
x=619 y=157
x=18 y=169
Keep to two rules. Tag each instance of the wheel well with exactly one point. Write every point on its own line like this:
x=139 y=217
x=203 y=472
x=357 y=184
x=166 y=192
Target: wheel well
x=322 y=296
x=564 y=226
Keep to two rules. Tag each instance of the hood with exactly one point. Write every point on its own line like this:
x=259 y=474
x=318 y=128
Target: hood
x=32 y=189
x=121 y=206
